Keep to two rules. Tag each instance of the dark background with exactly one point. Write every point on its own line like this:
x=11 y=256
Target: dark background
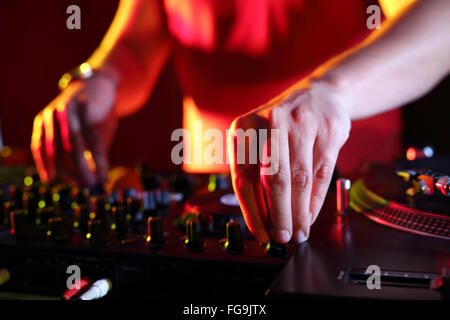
x=36 y=49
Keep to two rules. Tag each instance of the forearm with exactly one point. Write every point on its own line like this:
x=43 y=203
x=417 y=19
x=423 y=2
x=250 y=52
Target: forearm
x=406 y=59
x=133 y=52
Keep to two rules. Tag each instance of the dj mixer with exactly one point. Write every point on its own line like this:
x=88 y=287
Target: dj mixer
x=183 y=237
x=152 y=243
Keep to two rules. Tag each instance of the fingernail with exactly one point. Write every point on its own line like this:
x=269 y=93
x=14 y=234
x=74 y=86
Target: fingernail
x=282 y=236
x=262 y=236
x=301 y=237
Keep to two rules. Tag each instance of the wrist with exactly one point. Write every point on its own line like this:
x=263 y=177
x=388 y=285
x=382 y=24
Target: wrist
x=335 y=92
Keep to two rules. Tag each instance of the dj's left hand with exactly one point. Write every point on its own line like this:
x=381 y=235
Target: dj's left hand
x=313 y=125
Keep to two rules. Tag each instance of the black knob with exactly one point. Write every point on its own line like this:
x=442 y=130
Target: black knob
x=19 y=224
x=8 y=206
x=57 y=229
x=276 y=250
x=193 y=240
x=119 y=222
x=133 y=208
x=234 y=243
x=155 y=233
x=42 y=217
x=30 y=204
x=82 y=218
x=98 y=204
x=96 y=232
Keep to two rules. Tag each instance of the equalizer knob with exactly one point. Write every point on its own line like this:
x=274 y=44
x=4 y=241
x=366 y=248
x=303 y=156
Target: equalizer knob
x=96 y=232
x=193 y=239
x=155 y=233
x=19 y=224
x=42 y=217
x=234 y=243
x=119 y=221
x=57 y=230
x=275 y=249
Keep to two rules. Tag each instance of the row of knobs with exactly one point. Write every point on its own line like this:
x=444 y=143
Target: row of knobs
x=193 y=240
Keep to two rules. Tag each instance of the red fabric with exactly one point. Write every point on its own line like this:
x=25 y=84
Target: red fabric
x=251 y=50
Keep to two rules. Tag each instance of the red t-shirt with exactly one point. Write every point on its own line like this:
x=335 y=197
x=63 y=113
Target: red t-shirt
x=234 y=55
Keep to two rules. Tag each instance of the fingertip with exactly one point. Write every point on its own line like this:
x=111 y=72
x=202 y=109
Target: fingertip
x=300 y=236
x=281 y=236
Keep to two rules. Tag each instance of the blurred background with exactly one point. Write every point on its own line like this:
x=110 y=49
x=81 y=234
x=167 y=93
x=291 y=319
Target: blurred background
x=36 y=49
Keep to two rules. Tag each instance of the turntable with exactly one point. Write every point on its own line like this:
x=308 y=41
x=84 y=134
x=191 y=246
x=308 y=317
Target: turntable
x=401 y=234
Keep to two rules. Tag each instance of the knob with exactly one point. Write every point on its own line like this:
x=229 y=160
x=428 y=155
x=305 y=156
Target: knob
x=98 y=207
x=29 y=201
x=275 y=249
x=234 y=243
x=155 y=233
x=96 y=232
x=193 y=239
x=119 y=221
x=82 y=218
x=133 y=208
x=8 y=206
x=57 y=229
x=19 y=224
x=42 y=217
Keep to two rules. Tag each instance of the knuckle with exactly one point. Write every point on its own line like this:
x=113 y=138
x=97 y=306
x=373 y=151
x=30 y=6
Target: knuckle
x=300 y=177
x=301 y=114
x=324 y=172
x=276 y=115
x=279 y=179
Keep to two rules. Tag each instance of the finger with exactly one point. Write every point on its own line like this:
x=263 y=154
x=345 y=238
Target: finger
x=246 y=184
x=301 y=142
x=276 y=183
x=38 y=147
x=62 y=145
x=326 y=151
x=78 y=146
x=96 y=144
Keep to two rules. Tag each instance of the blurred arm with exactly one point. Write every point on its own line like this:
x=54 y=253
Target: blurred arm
x=397 y=64
x=133 y=52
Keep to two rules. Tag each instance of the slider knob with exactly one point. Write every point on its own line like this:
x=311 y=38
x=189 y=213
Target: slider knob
x=155 y=233
x=96 y=232
x=193 y=239
x=234 y=243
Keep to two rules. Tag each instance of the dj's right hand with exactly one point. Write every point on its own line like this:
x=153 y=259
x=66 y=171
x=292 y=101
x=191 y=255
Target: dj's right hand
x=80 y=119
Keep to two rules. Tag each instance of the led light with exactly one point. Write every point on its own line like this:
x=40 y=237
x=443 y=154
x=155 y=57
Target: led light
x=28 y=181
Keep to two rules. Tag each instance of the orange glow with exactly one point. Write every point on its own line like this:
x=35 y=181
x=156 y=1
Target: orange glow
x=191 y=22
x=411 y=154
x=90 y=161
x=191 y=115
x=392 y=8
